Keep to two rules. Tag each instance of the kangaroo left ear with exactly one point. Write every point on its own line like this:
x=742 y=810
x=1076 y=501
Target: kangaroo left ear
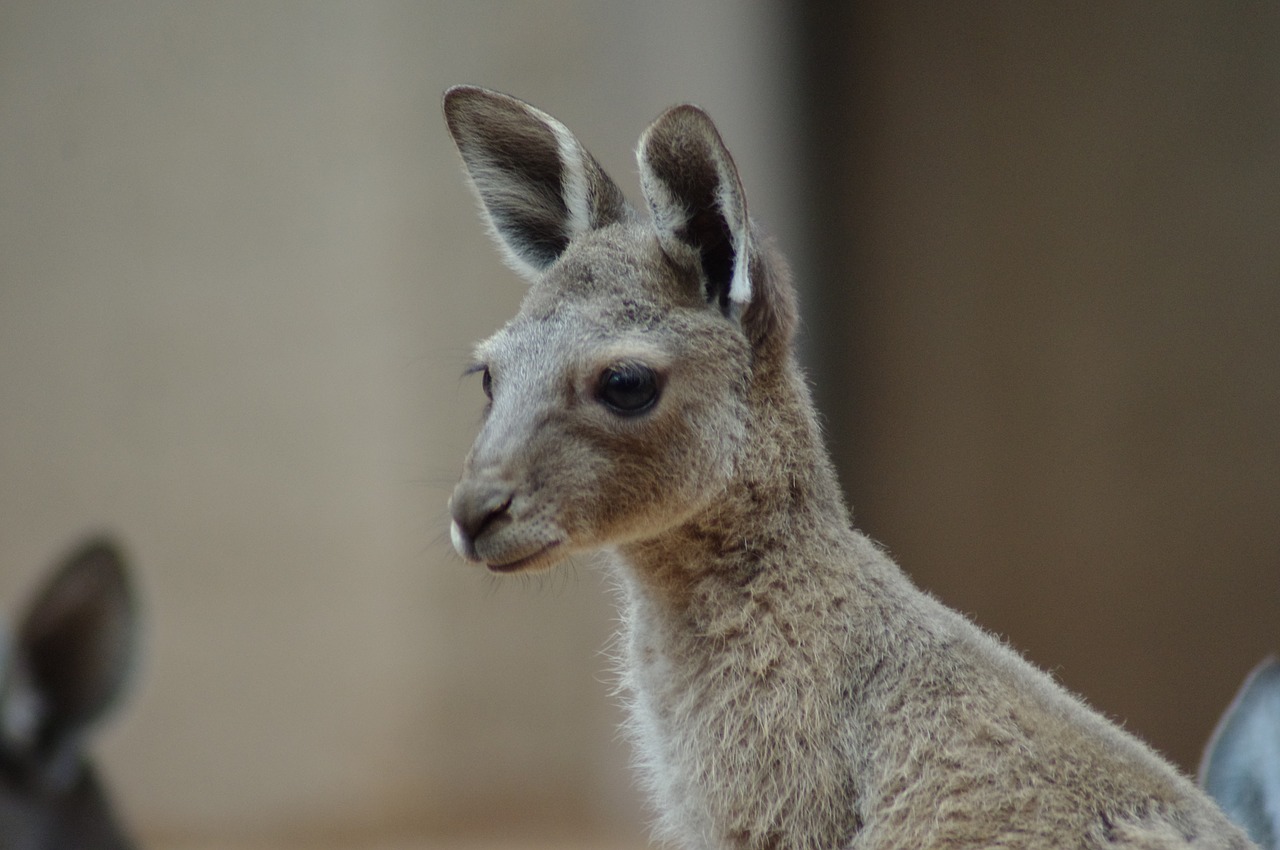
x=698 y=206
x=539 y=187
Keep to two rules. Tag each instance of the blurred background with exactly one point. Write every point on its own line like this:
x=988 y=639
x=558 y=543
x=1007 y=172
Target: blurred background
x=240 y=273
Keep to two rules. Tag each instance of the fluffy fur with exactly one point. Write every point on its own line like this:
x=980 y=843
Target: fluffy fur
x=789 y=687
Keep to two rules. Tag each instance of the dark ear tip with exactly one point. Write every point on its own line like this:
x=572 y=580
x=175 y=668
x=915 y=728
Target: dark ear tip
x=688 y=111
x=668 y=138
x=468 y=110
x=461 y=96
x=459 y=89
x=462 y=103
x=455 y=101
x=94 y=575
x=102 y=555
x=683 y=118
x=457 y=94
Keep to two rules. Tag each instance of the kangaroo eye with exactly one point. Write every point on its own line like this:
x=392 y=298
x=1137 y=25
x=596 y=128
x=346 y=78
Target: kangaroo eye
x=486 y=383
x=628 y=389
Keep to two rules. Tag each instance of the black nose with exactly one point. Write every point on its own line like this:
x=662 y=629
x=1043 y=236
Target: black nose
x=477 y=506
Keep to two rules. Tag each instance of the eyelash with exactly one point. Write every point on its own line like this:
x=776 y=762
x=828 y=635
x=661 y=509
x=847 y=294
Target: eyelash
x=486 y=379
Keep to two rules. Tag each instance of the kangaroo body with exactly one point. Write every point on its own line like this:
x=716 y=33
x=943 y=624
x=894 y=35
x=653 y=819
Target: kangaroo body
x=788 y=686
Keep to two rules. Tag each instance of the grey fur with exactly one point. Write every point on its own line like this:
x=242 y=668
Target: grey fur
x=1241 y=764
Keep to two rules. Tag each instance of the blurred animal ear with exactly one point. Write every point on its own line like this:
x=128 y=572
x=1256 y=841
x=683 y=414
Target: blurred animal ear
x=538 y=186
x=71 y=657
x=1241 y=764
x=699 y=208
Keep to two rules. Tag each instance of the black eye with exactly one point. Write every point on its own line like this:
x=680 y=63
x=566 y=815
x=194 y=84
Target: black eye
x=628 y=389
x=486 y=382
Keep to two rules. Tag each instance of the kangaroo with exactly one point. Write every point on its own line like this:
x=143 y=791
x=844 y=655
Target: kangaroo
x=787 y=685
x=65 y=668
x=1241 y=764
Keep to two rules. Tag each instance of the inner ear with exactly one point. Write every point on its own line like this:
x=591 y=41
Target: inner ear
x=708 y=232
x=698 y=207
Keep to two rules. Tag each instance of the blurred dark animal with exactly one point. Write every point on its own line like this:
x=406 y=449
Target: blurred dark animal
x=61 y=672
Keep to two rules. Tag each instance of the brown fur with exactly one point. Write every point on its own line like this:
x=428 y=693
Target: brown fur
x=788 y=686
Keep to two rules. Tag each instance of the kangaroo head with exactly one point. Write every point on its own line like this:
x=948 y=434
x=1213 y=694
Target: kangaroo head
x=620 y=395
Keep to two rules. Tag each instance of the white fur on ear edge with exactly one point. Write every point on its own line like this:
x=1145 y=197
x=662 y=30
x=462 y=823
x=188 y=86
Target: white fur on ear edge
x=573 y=180
x=673 y=212
x=573 y=193
x=740 y=284
x=731 y=207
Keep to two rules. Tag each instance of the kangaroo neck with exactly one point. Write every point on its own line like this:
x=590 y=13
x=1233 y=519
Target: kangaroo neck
x=782 y=512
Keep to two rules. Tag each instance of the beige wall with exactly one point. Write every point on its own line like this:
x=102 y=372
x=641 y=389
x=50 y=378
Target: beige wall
x=239 y=275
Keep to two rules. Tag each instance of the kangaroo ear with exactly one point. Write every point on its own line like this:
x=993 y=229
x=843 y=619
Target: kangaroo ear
x=1241 y=765
x=72 y=655
x=697 y=202
x=538 y=186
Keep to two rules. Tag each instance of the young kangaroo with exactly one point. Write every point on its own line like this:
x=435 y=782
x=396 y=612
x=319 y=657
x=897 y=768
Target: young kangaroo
x=64 y=669
x=1241 y=765
x=788 y=686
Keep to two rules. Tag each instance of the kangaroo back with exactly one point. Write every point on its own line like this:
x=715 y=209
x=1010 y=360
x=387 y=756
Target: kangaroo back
x=1241 y=764
x=63 y=671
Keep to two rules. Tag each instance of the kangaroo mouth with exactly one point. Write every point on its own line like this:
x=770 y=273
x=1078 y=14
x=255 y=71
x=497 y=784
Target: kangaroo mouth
x=540 y=559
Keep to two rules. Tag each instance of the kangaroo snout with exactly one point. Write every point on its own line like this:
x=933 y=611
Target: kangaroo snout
x=492 y=524
x=476 y=506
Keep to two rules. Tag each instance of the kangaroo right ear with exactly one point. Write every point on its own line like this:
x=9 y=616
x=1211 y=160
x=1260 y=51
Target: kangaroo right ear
x=1241 y=765
x=697 y=202
x=538 y=186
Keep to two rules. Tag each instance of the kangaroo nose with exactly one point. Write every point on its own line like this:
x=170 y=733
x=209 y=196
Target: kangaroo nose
x=475 y=507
